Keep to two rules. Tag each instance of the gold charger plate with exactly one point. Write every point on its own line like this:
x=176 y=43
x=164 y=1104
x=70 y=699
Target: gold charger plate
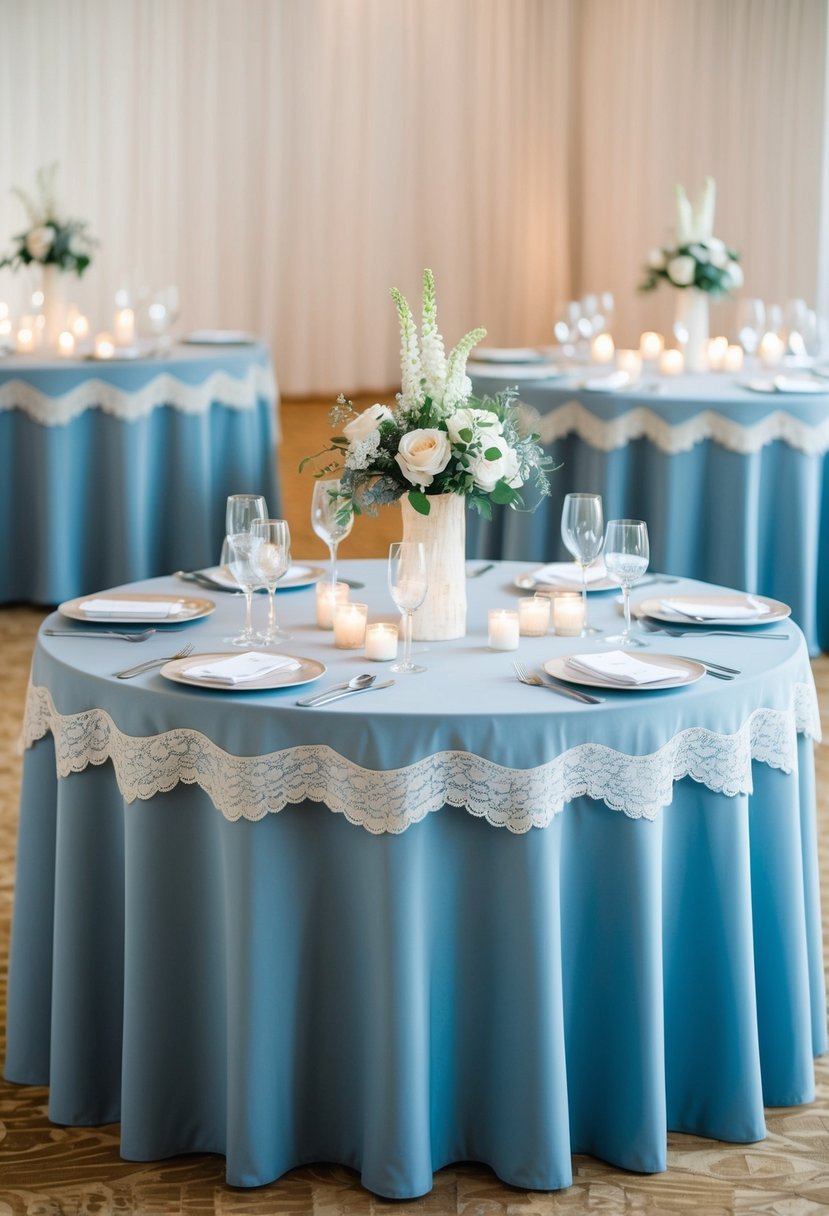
x=654 y=608
x=309 y=576
x=687 y=672
x=309 y=669
x=193 y=609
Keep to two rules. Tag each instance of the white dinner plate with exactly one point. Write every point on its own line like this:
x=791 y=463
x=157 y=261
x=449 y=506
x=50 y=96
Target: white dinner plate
x=658 y=611
x=308 y=670
x=295 y=577
x=509 y=354
x=219 y=337
x=687 y=672
x=192 y=609
x=528 y=582
x=514 y=371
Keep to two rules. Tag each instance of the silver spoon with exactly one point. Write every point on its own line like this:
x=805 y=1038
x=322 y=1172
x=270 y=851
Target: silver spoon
x=352 y=685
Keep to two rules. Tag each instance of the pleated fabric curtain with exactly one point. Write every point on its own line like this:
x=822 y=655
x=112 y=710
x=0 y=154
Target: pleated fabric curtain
x=285 y=162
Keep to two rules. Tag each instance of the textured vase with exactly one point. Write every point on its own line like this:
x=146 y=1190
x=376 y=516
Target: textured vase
x=442 y=615
x=53 y=285
x=691 y=327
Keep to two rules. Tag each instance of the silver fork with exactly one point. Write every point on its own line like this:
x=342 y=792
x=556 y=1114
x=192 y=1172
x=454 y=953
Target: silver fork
x=652 y=627
x=527 y=677
x=148 y=666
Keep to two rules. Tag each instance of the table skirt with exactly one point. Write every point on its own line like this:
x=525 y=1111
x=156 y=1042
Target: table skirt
x=297 y=989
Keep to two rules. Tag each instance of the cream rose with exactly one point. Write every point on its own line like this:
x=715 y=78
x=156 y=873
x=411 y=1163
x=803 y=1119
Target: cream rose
x=423 y=454
x=364 y=424
x=487 y=473
x=735 y=274
x=39 y=241
x=681 y=270
x=484 y=421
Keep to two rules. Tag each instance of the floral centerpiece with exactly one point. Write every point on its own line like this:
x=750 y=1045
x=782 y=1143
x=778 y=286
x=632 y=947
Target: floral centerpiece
x=437 y=449
x=698 y=262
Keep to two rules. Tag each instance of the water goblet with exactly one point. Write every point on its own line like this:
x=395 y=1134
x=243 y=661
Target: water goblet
x=270 y=559
x=582 y=530
x=626 y=556
x=751 y=323
x=241 y=511
x=408 y=584
x=331 y=518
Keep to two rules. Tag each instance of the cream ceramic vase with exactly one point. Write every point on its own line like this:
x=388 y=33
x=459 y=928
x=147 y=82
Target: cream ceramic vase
x=442 y=615
x=691 y=327
x=53 y=284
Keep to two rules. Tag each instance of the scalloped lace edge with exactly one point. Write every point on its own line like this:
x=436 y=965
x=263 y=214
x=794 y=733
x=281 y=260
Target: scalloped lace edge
x=250 y=787
x=237 y=393
x=642 y=423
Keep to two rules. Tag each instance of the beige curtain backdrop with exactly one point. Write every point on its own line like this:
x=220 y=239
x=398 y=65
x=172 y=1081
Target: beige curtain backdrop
x=284 y=162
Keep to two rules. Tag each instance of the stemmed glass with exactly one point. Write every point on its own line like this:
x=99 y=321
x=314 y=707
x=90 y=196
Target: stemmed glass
x=330 y=520
x=582 y=530
x=242 y=510
x=408 y=584
x=751 y=323
x=626 y=556
x=270 y=558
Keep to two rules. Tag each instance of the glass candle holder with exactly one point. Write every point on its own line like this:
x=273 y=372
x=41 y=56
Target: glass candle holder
x=328 y=597
x=568 y=615
x=503 y=629
x=381 y=642
x=350 y=626
x=534 y=615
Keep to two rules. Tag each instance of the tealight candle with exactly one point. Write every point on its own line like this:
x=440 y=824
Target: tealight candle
x=503 y=629
x=568 y=615
x=770 y=350
x=5 y=327
x=4 y=311
x=534 y=615
x=381 y=642
x=671 y=362
x=26 y=338
x=80 y=327
x=327 y=599
x=629 y=361
x=733 y=359
x=104 y=346
x=716 y=353
x=124 y=326
x=602 y=349
x=651 y=346
x=350 y=625
x=66 y=344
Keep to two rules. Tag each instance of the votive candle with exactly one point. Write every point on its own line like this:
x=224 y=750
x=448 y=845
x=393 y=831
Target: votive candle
x=26 y=338
x=716 y=353
x=350 y=625
x=733 y=359
x=770 y=350
x=66 y=344
x=328 y=598
x=381 y=642
x=503 y=629
x=651 y=346
x=124 y=326
x=80 y=327
x=629 y=361
x=602 y=349
x=534 y=615
x=104 y=346
x=568 y=615
x=671 y=362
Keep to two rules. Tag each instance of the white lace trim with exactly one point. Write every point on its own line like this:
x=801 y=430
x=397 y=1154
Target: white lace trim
x=249 y=787
x=672 y=437
x=237 y=393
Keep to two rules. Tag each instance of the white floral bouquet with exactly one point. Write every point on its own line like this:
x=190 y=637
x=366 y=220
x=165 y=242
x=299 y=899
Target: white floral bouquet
x=49 y=240
x=438 y=438
x=698 y=259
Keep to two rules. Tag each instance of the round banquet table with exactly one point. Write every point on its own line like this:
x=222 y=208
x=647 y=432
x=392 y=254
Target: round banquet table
x=734 y=484
x=117 y=470
x=455 y=919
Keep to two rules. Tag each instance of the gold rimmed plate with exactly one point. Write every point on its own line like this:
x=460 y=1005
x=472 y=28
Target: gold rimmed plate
x=308 y=670
x=192 y=608
x=687 y=672
x=660 y=610
x=298 y=575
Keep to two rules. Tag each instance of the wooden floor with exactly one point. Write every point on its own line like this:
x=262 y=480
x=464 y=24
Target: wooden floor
x=54 y=1171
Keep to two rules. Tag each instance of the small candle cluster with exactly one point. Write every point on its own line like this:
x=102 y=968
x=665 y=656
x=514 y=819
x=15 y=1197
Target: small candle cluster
x=349 y=622
x=532 y=619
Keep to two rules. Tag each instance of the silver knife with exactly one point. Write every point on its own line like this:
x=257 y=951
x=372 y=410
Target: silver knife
x=346 y=692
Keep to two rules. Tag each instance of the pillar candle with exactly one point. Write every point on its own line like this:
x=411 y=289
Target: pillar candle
x=503 y=629
x=327 y=599
x=350 y=625
x=381 y=642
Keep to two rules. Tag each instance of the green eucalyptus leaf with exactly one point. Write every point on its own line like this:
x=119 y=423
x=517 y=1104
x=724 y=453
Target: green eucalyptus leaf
x=419 y=501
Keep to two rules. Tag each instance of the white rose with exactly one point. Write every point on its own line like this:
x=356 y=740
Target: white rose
x=715 y=245
x=364 y=424
x=735 y=274
x=78 y=246
x=656 y=259
x=39 y=241
x=681 y=270
x=422 y=454
x=469 y=420
x=699 y=252
x=719 y=258
x=487 y=473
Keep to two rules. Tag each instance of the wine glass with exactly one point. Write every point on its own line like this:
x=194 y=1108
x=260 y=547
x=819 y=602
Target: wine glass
x=408 y=584
x=566 y=326
x=241 y=511
x=626 y=556
x=331 y=518
x=270 y=559
x=751 y=323
x=582 y=530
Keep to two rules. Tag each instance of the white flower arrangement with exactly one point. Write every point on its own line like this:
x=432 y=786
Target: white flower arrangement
x=698 y=259
x=49 y=240
x=438 y=439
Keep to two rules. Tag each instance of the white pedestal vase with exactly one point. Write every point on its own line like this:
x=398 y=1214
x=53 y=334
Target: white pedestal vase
x=53 y=285
x=442 y=615
x=691 y=327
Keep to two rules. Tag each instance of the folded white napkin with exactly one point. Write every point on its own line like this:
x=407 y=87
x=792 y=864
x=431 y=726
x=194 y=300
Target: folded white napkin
x=799 y=384
x=747 y=611
x=568 y=572
x=609 y=383
x=122 y=608
x=241 y=667
x=620 y=667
